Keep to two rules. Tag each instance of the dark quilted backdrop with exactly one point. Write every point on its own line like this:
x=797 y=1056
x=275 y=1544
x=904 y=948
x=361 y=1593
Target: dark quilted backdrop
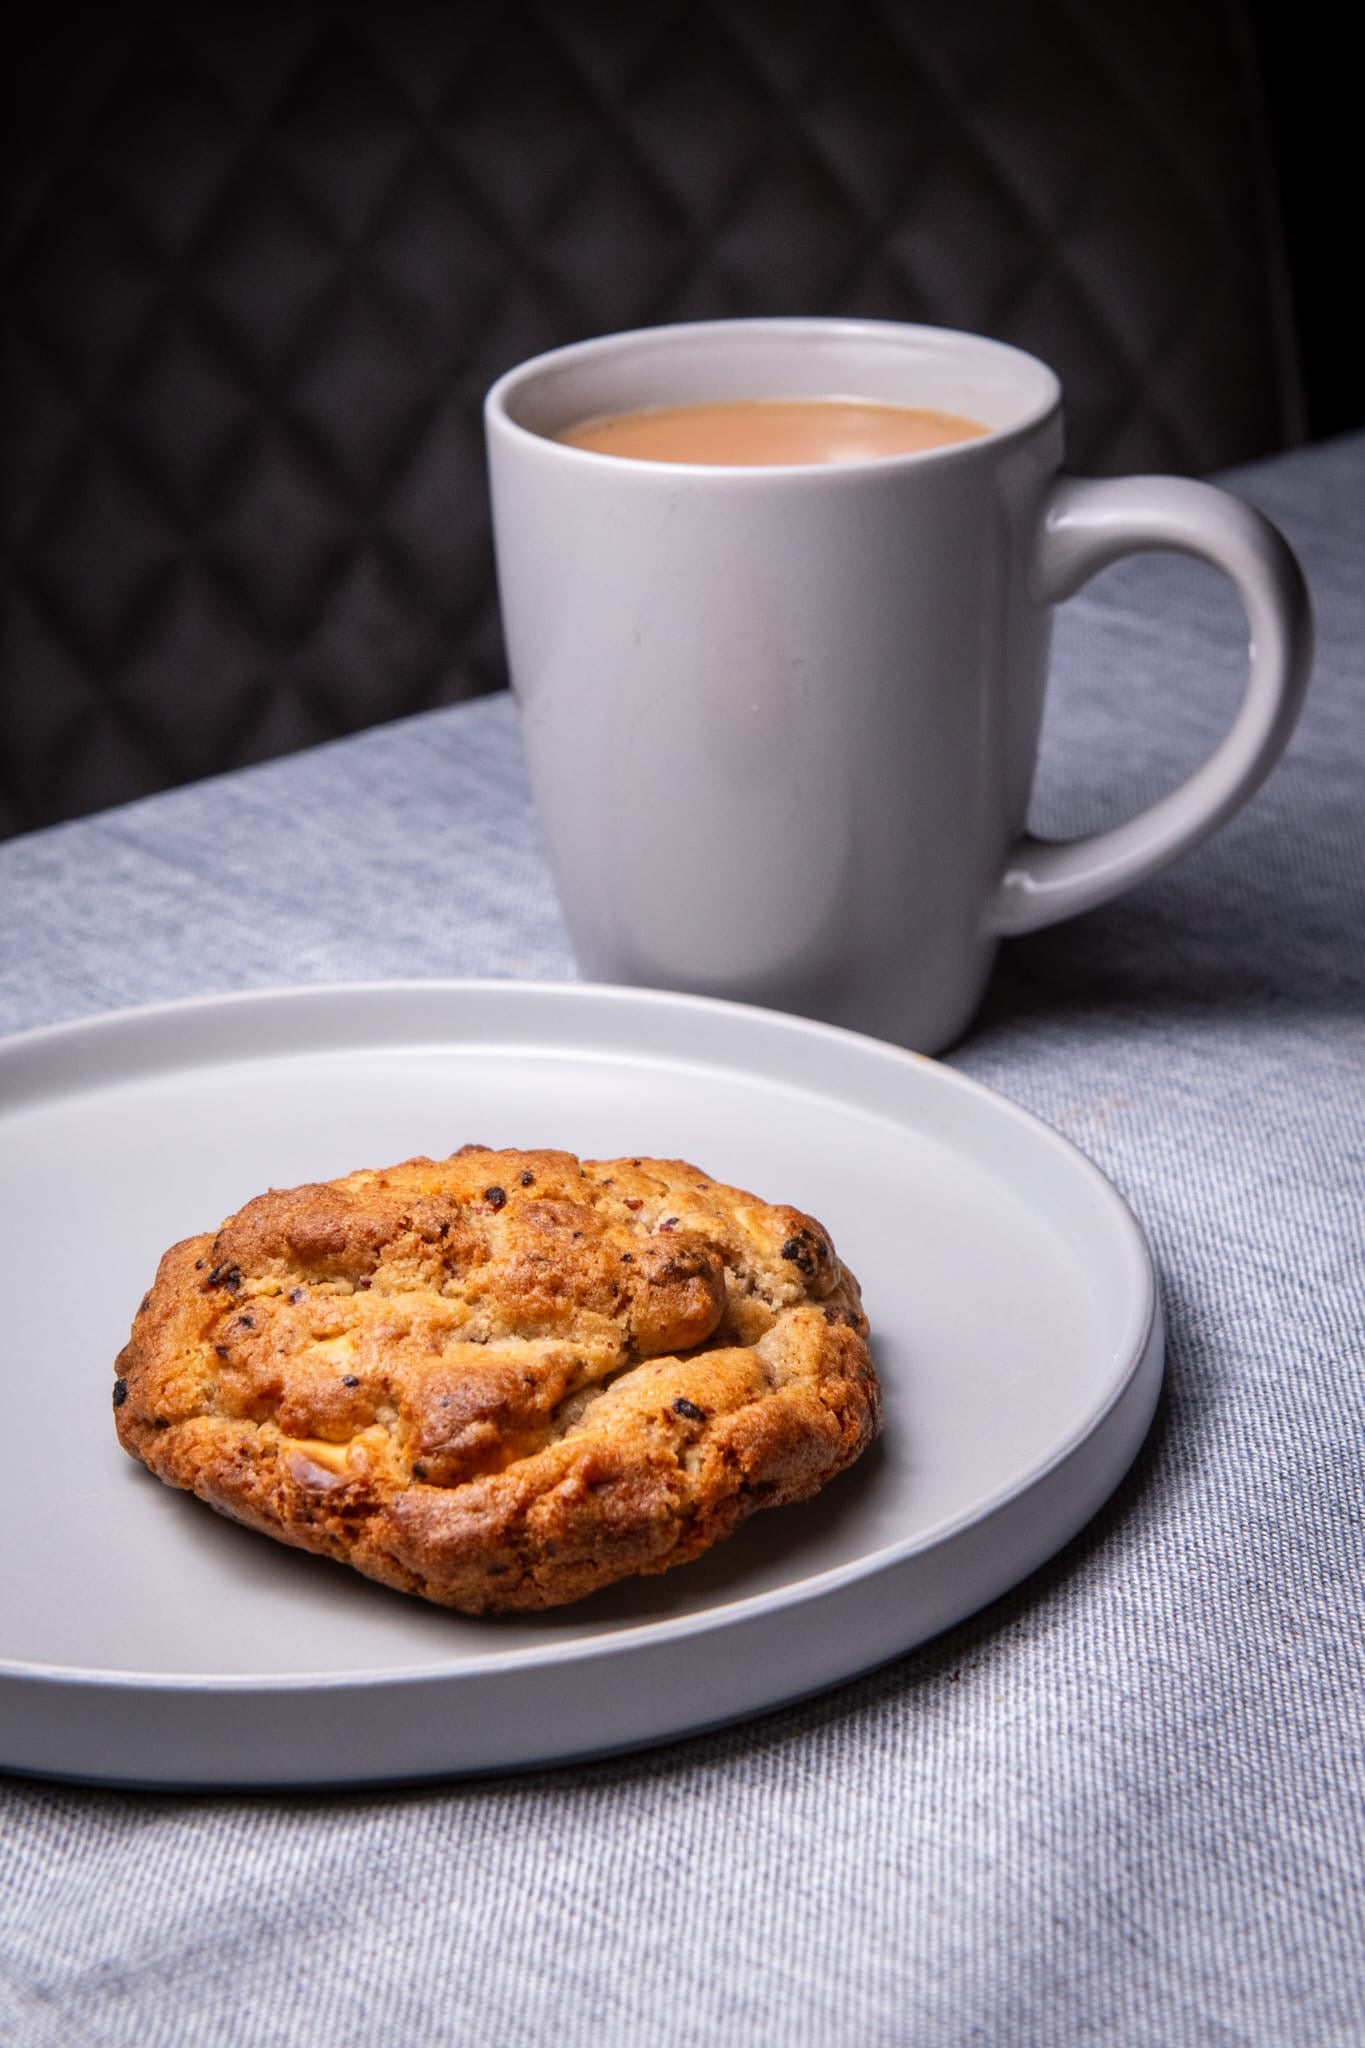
x=260 y=264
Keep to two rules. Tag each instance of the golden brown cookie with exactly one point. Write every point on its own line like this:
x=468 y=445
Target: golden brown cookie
x=503 y=1379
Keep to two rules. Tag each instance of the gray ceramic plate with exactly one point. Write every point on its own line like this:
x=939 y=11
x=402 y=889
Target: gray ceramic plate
x=1015 y=1320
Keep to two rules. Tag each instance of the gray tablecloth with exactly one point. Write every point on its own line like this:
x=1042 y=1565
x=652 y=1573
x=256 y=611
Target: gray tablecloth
x=1125 y=1804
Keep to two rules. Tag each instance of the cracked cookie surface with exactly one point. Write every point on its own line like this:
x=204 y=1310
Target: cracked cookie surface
x=501 y=1380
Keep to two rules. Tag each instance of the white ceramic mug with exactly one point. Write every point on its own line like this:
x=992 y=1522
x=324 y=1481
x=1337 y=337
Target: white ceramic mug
x=782 y=722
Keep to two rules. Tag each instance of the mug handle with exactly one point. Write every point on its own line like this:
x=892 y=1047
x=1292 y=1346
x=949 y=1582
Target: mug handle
x=1084 y=527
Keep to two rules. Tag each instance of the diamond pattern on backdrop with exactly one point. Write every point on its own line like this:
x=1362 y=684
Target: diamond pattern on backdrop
x=260 y=265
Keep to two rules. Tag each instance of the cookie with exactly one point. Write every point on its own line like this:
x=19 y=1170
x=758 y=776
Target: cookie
x=504 y=1379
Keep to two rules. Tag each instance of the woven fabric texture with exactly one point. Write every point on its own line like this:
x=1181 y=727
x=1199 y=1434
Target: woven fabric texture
x=258 y=266
x=1124 y=1804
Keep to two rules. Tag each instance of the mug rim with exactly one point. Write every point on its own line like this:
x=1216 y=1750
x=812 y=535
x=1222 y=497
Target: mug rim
x=597 y=349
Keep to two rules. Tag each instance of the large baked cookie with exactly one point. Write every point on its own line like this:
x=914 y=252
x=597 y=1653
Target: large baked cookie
x=502 y=1379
